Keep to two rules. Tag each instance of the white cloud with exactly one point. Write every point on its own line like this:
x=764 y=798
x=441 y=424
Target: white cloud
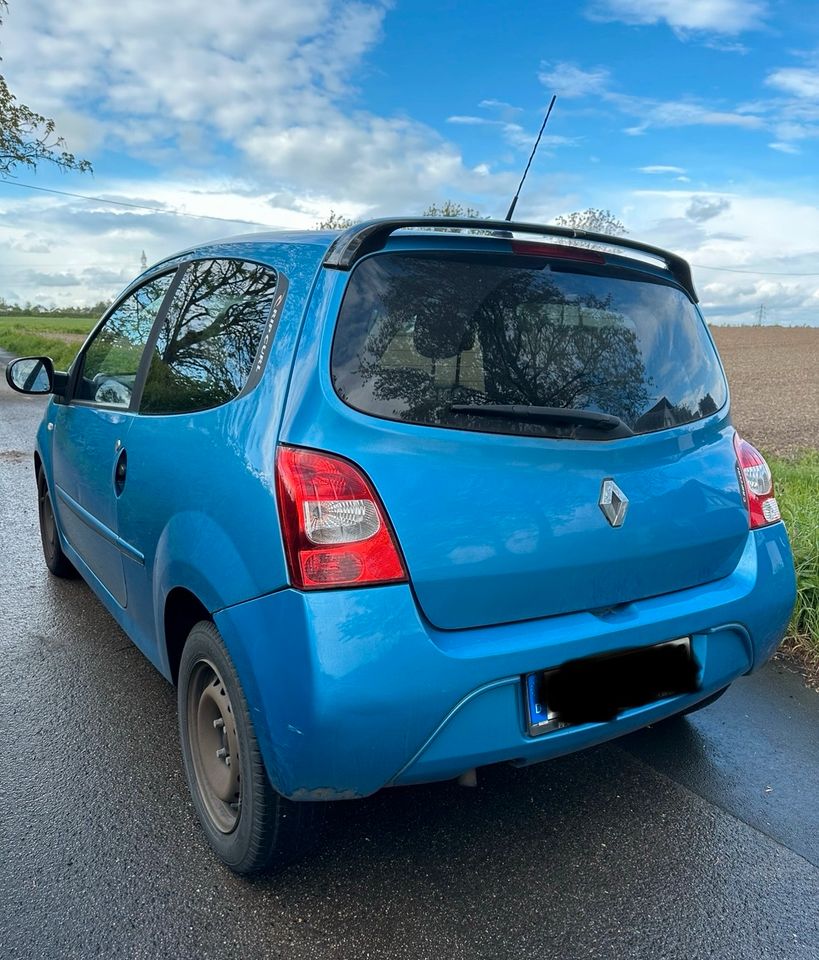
x=784 y=147
x=247 y=107
x=799 y=81
x=728 y=17
x=263 y=90
x=727 y=46
x=760 y=249
x=198 y=85
x=573 y=81
x=469 y=121
x=506 y=111
x=514 y=133
x=792 y=113
x=73 y=252
x=569 y=80
x=679 y=113
x=660 y=168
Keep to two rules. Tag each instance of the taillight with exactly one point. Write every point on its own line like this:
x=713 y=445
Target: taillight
x=335 y=529
x=756 y=484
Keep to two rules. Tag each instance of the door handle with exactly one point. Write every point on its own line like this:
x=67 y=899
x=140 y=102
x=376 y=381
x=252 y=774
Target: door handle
x=120 y=472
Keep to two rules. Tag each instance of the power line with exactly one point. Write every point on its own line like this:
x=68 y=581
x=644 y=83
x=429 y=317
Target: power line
x=169 y=211
x=755 y=273
x=136 y=206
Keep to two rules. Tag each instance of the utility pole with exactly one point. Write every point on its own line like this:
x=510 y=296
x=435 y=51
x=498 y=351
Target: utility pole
x=143 y=261
x=761 y=317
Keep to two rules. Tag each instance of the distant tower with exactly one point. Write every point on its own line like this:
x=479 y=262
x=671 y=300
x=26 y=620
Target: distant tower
x=143 y=261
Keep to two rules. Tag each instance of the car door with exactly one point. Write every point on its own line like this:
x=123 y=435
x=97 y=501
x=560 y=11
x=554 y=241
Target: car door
x=189 y=484
x=91 y=428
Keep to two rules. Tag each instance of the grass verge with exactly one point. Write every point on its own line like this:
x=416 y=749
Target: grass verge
x=797 y=487
x=57 y=337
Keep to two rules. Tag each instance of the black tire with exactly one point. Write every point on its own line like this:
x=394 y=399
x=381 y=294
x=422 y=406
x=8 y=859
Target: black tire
x=56 y=561
x=251 y=828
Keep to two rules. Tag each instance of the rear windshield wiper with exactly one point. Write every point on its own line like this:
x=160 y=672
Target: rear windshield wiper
x=605 y=422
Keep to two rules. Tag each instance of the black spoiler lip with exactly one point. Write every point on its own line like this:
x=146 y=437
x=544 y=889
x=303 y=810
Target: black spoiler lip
x=371 y=235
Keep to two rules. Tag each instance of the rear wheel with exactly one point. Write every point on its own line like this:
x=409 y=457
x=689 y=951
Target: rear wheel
x=250 y=827
x=56 y=561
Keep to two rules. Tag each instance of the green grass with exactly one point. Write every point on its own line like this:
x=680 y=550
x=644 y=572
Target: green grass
x=57 y=337
x=75 y=325
x=797 y=491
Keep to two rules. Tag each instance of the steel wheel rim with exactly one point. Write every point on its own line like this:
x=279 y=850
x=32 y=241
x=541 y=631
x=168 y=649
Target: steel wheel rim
x=214 y=746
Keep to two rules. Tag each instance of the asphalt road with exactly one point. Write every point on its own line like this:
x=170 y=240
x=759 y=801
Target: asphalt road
x=695 y=839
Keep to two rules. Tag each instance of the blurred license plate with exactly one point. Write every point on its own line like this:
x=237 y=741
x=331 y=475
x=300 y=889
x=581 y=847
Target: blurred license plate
x=597 y=689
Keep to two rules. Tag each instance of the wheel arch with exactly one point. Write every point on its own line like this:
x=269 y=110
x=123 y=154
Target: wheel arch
x=39 y=471
x=183 y=609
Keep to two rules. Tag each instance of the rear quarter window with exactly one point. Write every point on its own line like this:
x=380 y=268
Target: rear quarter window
x=420 y=332
x=210 y=336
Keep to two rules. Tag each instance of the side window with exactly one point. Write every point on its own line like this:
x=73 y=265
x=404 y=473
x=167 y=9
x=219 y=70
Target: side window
x=209 y=336
x=111 y=360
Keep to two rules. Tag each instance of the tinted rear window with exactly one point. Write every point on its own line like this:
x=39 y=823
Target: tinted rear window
x=419 y=333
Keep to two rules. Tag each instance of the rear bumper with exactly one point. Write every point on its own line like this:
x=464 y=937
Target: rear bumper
x=352 y=690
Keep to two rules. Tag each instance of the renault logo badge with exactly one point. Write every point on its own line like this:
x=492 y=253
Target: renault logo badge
x=613 y=502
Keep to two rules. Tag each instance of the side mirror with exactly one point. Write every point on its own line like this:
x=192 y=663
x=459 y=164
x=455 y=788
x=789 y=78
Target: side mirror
x=31 y=375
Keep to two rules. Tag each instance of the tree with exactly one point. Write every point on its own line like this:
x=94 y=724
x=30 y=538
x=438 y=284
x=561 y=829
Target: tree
x=27 y=138
x=595 y=221
x=449 y=208
x=335 y=221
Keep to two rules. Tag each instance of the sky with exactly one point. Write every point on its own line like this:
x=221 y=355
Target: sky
x=696 y=122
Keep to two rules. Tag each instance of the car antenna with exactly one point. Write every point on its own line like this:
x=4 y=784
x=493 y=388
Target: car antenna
x=531 y=158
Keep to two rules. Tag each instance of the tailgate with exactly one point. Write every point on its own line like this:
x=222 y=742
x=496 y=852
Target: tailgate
x=498 y=510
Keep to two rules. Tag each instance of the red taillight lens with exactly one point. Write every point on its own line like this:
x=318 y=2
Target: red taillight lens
x=335 y=529
x=756 y=484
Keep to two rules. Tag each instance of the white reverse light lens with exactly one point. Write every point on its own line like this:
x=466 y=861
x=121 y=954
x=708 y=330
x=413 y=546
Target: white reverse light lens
x=340 y=521
x=759 y=479
x=770 y=510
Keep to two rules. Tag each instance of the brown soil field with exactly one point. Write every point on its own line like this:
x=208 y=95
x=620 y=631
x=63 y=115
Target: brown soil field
x=773 y=373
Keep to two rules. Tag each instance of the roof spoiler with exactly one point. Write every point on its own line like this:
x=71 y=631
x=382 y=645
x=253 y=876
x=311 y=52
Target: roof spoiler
x=371 y=235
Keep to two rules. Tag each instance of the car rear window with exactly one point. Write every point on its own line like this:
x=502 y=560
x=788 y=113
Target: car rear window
x=421 y=333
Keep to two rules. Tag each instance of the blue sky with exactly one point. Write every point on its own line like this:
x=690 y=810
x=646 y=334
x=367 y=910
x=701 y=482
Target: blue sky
x=696 y=123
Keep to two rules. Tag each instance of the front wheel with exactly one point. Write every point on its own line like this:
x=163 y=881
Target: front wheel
x=250 y=827
x=56 y=561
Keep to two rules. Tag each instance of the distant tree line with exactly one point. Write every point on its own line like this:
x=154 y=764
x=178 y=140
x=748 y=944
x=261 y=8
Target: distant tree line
x=36 y=310
x=593 y=219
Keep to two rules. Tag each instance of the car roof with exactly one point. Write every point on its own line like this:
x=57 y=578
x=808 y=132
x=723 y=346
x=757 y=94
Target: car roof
x=341 y=249
x=320 y=239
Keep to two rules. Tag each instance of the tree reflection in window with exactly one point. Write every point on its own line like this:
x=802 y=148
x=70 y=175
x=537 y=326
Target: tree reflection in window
x=112 y=359
x=419 y=333
x=209 y=336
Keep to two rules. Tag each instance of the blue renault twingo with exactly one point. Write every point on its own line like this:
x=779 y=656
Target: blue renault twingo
x=393 y=504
